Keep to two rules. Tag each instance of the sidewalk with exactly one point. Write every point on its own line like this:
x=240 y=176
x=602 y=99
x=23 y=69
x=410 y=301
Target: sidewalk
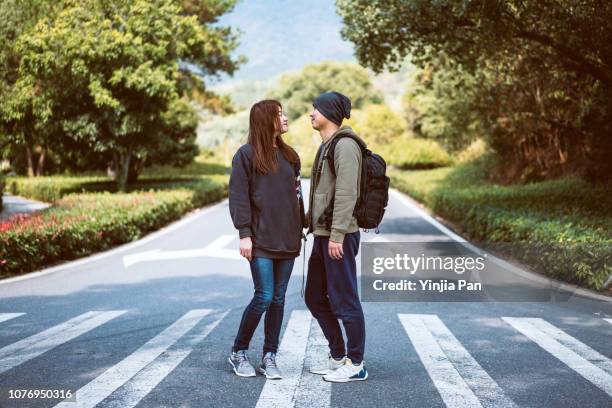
x=18 y=205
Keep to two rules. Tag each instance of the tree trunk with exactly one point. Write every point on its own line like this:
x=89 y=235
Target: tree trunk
x=122 y=165
x=30 y=161
x=135 y=168
x=41 y=161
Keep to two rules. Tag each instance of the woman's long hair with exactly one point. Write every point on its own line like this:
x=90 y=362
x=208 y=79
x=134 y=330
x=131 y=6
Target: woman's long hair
x=264 y=125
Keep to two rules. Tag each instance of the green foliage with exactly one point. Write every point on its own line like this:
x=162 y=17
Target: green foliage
x=440 y=104
x=377 y=124
x=532 y=77
x=305 y=140
x=413 y=153
x=297 y=90
x=233 y=127
x=105 y=79
x=52 y=188
x=561 y=216
x=81 y=224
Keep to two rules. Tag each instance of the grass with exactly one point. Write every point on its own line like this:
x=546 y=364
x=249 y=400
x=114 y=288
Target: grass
x=566 y=216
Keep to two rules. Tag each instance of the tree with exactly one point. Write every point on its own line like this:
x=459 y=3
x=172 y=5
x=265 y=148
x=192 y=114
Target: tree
x=17 y=129
x=377 y=124
x=297 y=90
x=547 y=97
x=105 y=76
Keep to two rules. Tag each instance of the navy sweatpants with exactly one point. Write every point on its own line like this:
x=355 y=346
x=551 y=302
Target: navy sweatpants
x=332 y=294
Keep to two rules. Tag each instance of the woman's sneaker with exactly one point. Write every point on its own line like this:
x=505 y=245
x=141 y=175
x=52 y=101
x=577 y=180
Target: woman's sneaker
x=268 y=367
x=331 y=366
x=241 y=365
x=348 y=372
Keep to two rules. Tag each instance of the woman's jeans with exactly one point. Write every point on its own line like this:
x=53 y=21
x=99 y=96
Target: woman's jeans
x=270 y=278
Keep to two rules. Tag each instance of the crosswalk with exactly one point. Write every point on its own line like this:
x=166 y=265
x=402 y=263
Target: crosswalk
x=459 y=378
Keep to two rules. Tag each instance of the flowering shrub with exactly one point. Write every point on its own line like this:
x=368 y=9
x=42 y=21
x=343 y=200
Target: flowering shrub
x=81 y=224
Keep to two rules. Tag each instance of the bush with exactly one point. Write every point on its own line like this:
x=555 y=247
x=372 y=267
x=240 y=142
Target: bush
x=565 y=216
x=413 y=153
x=82 y=224
x=52 y=188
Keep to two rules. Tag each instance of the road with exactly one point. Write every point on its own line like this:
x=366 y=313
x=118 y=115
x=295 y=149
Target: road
x=150 y=324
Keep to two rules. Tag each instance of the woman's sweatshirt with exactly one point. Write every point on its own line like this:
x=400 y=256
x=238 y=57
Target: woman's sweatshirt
x=267 y=207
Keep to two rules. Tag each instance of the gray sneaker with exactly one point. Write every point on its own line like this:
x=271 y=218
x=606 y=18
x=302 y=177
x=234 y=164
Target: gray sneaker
x=240 y=363
x=268 y=367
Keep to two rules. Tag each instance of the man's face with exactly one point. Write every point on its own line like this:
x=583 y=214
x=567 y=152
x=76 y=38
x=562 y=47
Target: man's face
x=317 y=120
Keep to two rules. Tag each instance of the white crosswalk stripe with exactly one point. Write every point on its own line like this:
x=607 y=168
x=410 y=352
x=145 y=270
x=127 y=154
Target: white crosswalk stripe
x=142 y=383
x=33 y=346
x=281 y=393
x=608 y=320
x=460 y=380
x=102 y=386
x=8 y=316
x=312 y=390
x=576 y=355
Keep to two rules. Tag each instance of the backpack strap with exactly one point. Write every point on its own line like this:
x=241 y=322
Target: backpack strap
x=329 y=155
x=326 y=217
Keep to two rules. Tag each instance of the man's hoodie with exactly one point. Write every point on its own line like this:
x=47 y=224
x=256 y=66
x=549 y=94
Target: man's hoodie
x=344 y=188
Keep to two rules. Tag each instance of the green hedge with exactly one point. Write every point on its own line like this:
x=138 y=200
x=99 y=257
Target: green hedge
x=571 y=219
x=83 y=224
x=415 y=153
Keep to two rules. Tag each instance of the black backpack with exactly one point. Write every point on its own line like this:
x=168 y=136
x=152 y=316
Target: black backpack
x=374 y=188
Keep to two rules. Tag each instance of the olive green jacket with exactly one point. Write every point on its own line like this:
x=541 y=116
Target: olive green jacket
x=344 y=188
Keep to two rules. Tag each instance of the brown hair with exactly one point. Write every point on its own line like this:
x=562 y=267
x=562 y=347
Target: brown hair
x=264 y=124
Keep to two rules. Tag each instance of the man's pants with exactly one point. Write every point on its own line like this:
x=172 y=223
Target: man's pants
x=332 y=294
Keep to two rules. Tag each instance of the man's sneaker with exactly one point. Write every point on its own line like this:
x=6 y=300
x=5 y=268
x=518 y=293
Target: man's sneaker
x=332 y=365
x=348 y=372
x=241 y=365
x=268 y=366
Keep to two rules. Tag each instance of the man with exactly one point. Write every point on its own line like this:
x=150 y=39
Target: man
x=331 y=286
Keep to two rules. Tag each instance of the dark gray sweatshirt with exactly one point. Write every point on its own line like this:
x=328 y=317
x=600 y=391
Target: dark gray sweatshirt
x=267 y=207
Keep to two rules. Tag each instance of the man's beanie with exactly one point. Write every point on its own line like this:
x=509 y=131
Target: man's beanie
x=334 y=106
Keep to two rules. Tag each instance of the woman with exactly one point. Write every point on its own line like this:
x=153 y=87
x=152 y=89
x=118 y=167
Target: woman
x=266 y=206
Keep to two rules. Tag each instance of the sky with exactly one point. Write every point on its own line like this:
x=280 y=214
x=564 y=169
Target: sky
x=284 y=35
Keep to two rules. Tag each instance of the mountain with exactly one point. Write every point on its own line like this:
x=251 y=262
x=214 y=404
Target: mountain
x=278 y=36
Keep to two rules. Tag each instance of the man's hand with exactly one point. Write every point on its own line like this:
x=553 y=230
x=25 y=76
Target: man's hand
x=246 y=248
x=335 y=250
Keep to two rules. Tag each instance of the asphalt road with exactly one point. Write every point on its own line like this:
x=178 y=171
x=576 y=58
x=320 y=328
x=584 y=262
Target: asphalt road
x=151 y=324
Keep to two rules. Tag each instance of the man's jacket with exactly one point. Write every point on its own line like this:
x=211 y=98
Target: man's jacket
x=343 y=189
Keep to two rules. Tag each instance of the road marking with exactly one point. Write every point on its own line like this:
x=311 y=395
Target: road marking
x=142 y=383
x=460 y=380
x=33 y=346
x=216 y=249
x=312 y=390
x=608 y=320
x=576 y=355
x=102 y=386
x=534 y=277
x=8 y=316
x=291 y=352
x=121 y=249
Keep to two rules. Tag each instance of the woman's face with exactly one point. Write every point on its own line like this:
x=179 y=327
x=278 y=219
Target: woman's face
x=284 y=121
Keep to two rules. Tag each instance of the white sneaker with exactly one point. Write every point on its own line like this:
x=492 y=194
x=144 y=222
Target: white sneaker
x=348 y=372
x=332 y=365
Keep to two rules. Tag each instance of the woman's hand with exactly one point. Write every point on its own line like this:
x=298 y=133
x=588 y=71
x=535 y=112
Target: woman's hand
x=246 y=248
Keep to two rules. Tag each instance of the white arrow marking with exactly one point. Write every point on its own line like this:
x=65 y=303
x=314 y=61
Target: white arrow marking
x=215 y=249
